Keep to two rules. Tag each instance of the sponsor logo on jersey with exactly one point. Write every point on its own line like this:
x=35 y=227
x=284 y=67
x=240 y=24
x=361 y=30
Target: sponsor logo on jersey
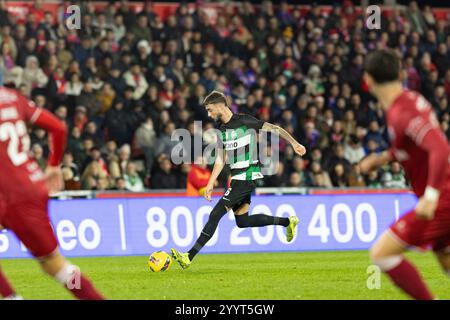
x=9 y=113
x=231 y=145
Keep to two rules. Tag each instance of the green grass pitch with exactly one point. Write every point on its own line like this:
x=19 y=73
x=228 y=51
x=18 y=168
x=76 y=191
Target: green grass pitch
x=279 y=276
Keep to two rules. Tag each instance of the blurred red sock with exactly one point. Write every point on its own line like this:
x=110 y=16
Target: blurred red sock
x=84 y=290
x=408 y=279
x=5 y=288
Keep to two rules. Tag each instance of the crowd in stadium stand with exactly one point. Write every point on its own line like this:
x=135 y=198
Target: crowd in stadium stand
x=125 y=81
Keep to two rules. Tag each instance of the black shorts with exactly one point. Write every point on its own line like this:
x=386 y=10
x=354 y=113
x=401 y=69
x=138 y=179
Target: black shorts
x=239 y=192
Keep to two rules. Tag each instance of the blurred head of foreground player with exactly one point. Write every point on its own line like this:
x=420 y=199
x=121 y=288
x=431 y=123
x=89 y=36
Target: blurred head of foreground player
x=382 y=76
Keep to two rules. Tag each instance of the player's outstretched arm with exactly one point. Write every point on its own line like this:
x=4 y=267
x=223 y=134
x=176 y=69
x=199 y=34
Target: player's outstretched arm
x=218 y=166
x=57 y=135
x=298 y=147
x=374 y=161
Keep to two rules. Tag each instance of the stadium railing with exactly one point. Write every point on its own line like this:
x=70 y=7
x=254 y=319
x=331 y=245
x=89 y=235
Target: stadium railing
x=155 y=193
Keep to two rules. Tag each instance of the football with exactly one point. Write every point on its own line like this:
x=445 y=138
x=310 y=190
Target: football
x=159 y=261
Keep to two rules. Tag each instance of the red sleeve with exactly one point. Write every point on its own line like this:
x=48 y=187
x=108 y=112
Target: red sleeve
x=29 y=109
x=197 y=179
x=392 y=153
x=438 y=150
x=424 y=130
x=57 y=131
x=57 y=135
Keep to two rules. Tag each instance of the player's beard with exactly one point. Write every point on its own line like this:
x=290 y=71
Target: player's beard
x=218 y=119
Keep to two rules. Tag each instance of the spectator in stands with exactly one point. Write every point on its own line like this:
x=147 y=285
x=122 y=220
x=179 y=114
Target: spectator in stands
x=80 y=118
x=91 y=176
x=39 y=136
x=70 y=183
x=394 y=177
x=132 y=180
x=373 y=179
x=295 y=180
x=298 y=166
x=415 y=18
x=119 y=184
x=103 y=184
x=94 y=154
x=75 y=144
x=146 y=141
x=116 y=123
x=353 y=150
x=105 y=97
x=32 y=75
x=372 y=147
x=88 y=98
x=198 y=177
x=338 y=157
x=117 y=165
x=109 y=151
x=124 y=67
x=356 y=179
x=165 y=143
x=68 y=163
x=164 y=177
x=142 y=29
x=136 y=79
x=182 y=175
x=61 y=113
x=38 y=155
x=279 y=179
x=339 y=176
x=320 y=178
x=374 y=133
x=91 y=131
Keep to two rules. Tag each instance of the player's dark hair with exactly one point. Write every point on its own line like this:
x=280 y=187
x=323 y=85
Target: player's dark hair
x=215 y=97
x=382 y=65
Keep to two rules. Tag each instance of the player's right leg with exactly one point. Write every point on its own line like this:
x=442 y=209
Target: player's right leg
x=69 y=276
x=387 y=254
x=6 y=290
x=185 y=259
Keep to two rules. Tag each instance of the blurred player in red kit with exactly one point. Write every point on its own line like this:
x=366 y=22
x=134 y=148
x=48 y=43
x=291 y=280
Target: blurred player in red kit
x=420 y=146
x=24 y=190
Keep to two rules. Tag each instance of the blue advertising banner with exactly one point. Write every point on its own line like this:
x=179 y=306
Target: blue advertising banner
x=110 y=227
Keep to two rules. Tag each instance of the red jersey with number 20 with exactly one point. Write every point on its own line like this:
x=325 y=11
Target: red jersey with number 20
x=20 y=175
x=418 y=143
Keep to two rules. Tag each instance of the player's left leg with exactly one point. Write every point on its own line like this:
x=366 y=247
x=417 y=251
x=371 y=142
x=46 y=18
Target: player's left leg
x=244 y=220
x=387 y=254
x=442 y=253
x=238 y=197
x=444 y=260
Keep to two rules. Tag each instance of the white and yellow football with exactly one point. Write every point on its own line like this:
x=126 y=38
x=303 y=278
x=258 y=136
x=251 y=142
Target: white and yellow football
x=159 y=261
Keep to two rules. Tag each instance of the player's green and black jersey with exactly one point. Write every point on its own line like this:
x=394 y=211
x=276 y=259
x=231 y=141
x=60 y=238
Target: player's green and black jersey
x=239 y=137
